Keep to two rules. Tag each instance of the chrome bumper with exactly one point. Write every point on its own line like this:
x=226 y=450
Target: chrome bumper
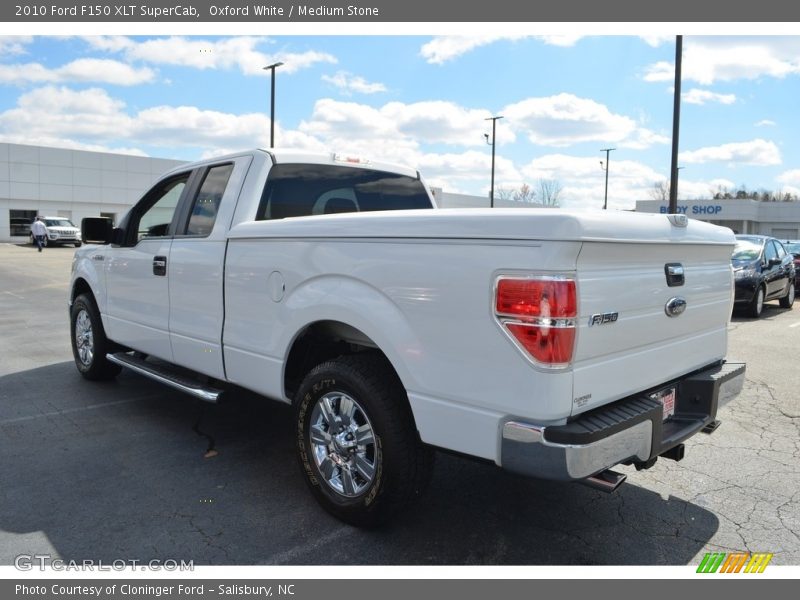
x=526 y=449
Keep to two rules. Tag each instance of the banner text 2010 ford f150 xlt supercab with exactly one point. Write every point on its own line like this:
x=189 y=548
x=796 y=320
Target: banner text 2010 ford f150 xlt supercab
x=555 y=344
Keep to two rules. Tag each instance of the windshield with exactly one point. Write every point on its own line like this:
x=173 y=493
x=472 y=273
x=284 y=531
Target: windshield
x=746 y=250
x=58 y=223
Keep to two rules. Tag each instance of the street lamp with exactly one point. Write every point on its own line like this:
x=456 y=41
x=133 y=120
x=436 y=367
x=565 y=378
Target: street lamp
x=605 y=168
x=486 y=135
x=272 y=68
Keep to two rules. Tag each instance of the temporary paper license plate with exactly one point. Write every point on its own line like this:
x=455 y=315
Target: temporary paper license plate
x=667 y=399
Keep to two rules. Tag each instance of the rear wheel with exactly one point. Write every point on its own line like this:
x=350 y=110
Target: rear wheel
x=788 y=299
x=89 y=342
x=757 y=305
x=357 y=443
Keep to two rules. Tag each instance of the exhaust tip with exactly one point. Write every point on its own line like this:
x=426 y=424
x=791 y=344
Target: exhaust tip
x=606 y=481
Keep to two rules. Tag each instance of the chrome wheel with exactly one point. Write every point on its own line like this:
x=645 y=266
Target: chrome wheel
x=343 y=444
x=759 y=301
x=790 y=295
x=84 y=339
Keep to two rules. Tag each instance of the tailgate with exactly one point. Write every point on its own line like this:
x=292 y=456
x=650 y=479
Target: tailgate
x=632 y=335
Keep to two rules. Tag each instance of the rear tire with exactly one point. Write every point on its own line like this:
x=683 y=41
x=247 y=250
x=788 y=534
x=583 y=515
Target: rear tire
x=757 y=305
x=357 y=442
x=788 y=299
x=89 y=342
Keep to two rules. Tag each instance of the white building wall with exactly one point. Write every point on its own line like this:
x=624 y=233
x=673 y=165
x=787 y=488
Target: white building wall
x=53 y=181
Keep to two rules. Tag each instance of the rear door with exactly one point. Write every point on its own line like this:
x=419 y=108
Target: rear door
x=197 y=265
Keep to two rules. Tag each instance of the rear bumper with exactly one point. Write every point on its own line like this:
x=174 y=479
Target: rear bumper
x=629 y=430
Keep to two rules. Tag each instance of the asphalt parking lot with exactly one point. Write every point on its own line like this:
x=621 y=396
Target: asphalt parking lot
x=119 y=470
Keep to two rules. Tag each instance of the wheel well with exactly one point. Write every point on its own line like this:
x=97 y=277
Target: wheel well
x=321 y=341
x=80 y=287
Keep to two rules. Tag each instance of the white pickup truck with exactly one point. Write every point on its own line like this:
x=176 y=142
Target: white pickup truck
x=554 y=344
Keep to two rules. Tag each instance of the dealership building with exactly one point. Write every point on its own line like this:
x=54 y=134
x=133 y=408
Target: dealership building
x=37 y=180
x=778 y=219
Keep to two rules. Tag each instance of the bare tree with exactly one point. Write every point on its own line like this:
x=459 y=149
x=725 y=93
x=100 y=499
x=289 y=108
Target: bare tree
x=505 y=194
x=524 y=194
x=660 y=190
x=549 y=192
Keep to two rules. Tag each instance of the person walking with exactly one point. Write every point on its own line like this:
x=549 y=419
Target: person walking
x=38 y=231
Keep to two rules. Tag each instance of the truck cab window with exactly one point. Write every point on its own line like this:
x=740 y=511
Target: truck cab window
x=154 y=214
x=206 y=204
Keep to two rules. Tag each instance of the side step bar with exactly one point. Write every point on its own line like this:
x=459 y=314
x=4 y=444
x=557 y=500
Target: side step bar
x=166 y=375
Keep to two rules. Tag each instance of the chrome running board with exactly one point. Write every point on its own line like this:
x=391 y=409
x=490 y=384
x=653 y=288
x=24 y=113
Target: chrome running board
x=168 y=375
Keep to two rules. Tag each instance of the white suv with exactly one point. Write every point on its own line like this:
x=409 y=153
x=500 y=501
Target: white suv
x=60 y=230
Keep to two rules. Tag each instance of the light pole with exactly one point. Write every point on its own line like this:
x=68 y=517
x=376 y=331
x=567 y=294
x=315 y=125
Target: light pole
x=272 y=68
x=605 y=168
x=486 y=135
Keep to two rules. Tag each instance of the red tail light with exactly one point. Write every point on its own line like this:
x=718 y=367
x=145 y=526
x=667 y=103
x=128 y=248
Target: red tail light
x=539 y=313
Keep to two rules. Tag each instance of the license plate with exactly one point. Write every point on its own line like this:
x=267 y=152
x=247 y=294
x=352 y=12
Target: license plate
x=667 y=399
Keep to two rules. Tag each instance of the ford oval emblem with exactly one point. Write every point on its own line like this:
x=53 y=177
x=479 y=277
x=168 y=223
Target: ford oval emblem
x=675 y=306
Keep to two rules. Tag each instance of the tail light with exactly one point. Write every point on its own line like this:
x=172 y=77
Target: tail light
x=539 y=314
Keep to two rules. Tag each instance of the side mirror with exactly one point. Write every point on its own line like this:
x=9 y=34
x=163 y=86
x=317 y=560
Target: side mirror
x=96 y=230
x=774 y=262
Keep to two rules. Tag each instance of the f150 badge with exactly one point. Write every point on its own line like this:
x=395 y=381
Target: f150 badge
x=603 y=318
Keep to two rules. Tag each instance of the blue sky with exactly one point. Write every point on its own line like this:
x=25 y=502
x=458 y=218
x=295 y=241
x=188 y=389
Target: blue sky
x=422 y=101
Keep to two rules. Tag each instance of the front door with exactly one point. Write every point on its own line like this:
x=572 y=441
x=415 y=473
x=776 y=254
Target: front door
x=137 y=272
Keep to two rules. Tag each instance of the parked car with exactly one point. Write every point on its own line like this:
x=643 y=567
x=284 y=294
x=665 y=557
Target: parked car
x=763 y=271
x=793 y=248
x=60 y=230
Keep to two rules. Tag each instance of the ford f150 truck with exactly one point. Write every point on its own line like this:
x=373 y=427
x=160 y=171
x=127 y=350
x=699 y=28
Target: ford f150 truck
x=554 y=344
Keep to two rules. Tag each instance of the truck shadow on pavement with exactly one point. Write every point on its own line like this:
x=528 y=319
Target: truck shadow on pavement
x=121 y=471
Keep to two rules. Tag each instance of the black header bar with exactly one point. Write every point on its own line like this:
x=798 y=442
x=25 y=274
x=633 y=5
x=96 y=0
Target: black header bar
x=394 y=11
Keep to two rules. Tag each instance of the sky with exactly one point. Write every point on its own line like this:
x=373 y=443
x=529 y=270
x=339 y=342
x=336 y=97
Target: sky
x=423 y=101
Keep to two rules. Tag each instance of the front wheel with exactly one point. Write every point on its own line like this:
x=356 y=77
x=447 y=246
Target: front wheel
x=89 y=342
x=77 y=244
x=357 y=443
x=757 y=305
x=788 y=299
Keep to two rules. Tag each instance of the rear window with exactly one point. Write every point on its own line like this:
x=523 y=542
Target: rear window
x=299 y=190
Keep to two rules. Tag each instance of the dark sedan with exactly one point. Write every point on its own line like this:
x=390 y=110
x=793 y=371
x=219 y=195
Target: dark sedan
x=764 y=271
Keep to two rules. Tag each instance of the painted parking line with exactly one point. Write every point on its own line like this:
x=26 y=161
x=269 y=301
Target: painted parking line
x=794 y=325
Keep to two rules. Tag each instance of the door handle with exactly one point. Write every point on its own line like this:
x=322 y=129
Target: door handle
x=160 y=265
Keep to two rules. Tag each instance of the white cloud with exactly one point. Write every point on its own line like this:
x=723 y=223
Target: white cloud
x=420 y=122
x=348 y=83
x=757 y=152
x=236 y=52
x=583 y=180
x=82 y=70
x=698 y=96
x=565 y=119
x=654 y=41
x=791 y=177
x=442 y=49
x=765 y=123
x=67 y=118
x=717 y=58
x=11 y=45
